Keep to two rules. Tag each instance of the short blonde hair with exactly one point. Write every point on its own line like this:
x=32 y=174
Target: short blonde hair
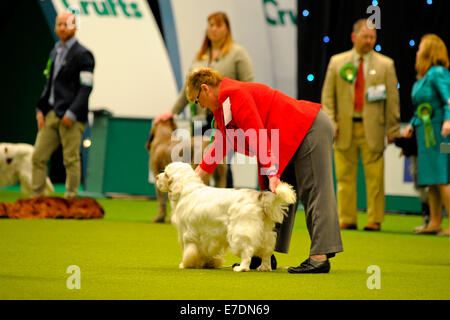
x=197 y=78
x=434 y=52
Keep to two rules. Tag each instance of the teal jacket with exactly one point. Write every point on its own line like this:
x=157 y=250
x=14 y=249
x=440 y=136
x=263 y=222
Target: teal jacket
x=433 y=88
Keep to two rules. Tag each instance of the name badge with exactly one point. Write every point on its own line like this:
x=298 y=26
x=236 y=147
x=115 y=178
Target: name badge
x=376 y=93
x=86 y=78
x=226 y=105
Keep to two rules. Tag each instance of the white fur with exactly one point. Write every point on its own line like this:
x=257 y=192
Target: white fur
x=15 y=166
x=212 y=220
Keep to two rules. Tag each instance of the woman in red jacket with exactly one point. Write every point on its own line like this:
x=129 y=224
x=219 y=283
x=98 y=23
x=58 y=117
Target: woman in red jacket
x=292 y=140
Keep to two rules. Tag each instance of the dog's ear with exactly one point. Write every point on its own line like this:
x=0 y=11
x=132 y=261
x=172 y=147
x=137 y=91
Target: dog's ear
x=150 y=138
x=175 y=191
x=172 y=123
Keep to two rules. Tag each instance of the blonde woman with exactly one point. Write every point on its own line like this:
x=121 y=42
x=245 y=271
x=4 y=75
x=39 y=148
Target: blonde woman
x=431 y=121
x=292 y=141
x=218 y=52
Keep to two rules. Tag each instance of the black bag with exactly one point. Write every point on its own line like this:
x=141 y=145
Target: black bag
x=408 y=145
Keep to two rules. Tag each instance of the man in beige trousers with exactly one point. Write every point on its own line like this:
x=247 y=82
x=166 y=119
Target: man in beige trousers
x=360 y=96
x=63 y=107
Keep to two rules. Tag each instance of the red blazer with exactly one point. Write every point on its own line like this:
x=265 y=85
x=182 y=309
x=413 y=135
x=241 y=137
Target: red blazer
x=255 y=119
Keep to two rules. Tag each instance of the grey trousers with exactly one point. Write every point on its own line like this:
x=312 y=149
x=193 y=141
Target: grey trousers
x=310 y=172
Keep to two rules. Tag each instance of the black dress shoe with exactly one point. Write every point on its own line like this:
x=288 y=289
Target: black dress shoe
x=256 y=262
x=311 y=266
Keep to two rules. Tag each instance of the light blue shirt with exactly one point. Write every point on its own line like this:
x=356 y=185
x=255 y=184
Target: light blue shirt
x=61 y=53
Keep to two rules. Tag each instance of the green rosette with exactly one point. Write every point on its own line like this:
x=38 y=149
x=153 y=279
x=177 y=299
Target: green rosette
x=424 y=112
x=348 y=72
x=47 y=68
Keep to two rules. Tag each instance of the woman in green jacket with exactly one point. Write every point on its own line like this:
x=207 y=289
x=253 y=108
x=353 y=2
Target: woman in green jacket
x=431 y=121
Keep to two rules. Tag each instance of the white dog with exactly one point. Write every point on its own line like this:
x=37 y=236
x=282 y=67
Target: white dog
x=15 y=166
x=212 y=220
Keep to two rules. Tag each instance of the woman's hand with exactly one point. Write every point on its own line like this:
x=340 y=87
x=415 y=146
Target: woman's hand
x=273 y=183
x=408 y=131
x=200 y=172
x=166 y=115
x=445 y=128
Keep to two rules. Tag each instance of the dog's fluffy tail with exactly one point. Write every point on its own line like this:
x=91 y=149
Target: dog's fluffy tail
x=286 y=193
x=275 y=205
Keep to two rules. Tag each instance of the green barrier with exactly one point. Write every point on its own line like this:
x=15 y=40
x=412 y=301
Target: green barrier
x=118 y=160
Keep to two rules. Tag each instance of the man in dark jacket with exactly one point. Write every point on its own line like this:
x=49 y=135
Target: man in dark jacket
x=63 y=107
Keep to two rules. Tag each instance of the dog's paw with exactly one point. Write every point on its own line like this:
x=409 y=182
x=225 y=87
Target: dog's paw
x=262 y=267
x=240 y=269
x=159 y=219
x=181 y=266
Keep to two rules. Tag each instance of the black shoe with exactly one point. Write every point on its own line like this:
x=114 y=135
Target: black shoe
x=256 y=262
x=311 y=266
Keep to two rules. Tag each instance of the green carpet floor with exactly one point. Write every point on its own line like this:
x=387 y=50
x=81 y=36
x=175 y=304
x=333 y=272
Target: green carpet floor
x=125 y=256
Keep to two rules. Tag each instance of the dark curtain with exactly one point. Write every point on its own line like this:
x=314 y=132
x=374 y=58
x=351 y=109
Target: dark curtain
x=401 y=22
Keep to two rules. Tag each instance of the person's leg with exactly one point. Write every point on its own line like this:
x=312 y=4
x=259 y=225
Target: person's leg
x=445 y=196
x=71 y=142
x=47 y=140
x=435 y=202
x=313 y=168
x=423 y=195
x=313 y=171
x=284 y=230
x=373 y=163
x=444 y=191
x=346 y=166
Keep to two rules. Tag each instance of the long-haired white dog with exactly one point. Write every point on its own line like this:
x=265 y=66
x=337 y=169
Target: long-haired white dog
x=16 y=166
x=212 y=220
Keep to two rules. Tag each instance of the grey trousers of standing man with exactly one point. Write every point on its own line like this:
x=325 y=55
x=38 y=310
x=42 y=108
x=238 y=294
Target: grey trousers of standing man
x=310 y=172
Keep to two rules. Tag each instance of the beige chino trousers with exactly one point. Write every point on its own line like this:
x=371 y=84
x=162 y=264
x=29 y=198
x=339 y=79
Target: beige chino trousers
x=48 y=139
x=346 y=163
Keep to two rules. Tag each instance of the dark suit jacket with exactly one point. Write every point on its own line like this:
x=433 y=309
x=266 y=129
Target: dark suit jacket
x=70 y=92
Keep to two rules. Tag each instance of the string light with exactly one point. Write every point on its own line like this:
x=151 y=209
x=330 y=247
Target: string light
x=305 y=13
x=310 y=77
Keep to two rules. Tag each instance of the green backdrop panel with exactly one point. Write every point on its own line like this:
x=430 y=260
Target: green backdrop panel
x=126 y=159
x=118 y=160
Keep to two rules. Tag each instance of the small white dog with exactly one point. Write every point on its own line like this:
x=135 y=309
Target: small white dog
x=212 y=220
x=15 y=166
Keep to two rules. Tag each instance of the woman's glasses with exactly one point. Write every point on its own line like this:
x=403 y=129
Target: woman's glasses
x=198 y=96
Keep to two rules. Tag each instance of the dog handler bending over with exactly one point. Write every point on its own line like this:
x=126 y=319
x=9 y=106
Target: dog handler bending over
x=293 y=142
